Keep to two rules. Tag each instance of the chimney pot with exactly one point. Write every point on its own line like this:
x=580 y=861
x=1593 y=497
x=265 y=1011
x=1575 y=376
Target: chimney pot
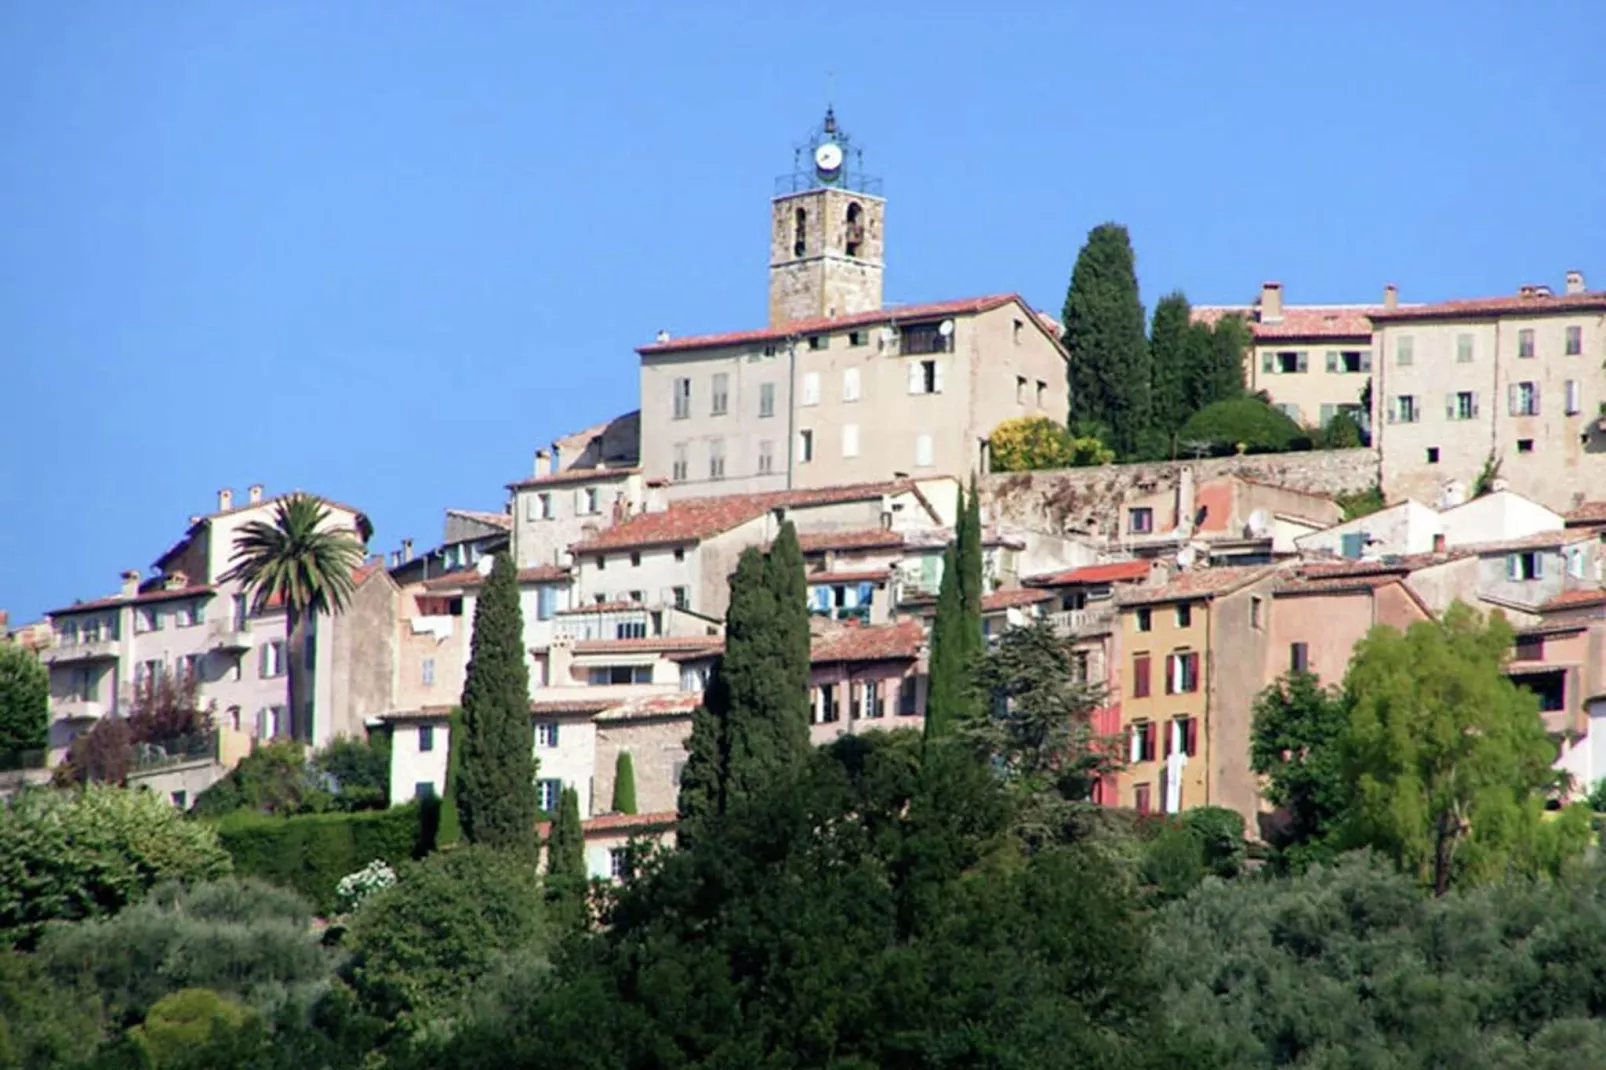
x=407 y=550
x=1575 y=282
x=130 y=583
x=663 y=336
x=1391 y=297
x=1271 y=302
x=225 y=500
x=1526 y=290
x=254 y=493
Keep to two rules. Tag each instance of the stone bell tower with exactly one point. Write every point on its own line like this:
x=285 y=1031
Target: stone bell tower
x=825 y=232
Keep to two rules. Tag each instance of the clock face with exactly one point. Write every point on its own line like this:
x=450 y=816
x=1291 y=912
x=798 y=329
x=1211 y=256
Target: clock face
x=828 y=157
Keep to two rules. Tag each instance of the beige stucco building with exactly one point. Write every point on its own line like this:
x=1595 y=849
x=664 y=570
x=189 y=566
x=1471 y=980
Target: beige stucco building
x=1516 y=381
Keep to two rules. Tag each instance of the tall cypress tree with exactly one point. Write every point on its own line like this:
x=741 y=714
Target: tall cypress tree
x=968 y=554
x=496 y=797
x=1169 y=353
x=1105 y=335
x=624 y=784
x=784 y=575
x=1229 y=344
x=565 y=880
x=945 y=663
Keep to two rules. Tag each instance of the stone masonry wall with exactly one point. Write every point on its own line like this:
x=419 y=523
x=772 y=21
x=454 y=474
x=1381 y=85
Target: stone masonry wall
x=1089 y=499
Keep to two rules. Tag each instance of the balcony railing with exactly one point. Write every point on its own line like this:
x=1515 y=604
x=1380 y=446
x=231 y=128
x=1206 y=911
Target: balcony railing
x=83 y=650
x=858 y=613
x=77 y=709
x=1070 y=622
x=230 y=635
x=149 y=756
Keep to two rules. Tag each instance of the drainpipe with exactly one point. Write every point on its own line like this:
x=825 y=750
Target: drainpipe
x=1494 y=396
x=791 y=408
x=1209 y=686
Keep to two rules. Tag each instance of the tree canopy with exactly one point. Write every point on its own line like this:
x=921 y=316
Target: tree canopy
x=1224 y=426
x=24 y=700
x=1105 y=336
x=1028 y=443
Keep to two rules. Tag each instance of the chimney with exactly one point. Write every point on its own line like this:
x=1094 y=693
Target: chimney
x=1271 y=302
x=1185 y=501
x=1391 y=297
x=657 y=497
x=1541 y=290
x=131 y=583
x=254 y=494
x=225 y=500
x=542 y=461
x=1575 y=282
x=663 y=336
x=560 y=662
x=407 y=550
x=1526 y=290
x=557 y=458
x=1438 y=543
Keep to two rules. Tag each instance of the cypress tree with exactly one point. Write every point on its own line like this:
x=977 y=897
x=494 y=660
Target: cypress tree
x=1170 y=355
x=496 y=797
x=968 y=555
x=1229 y=342
x=700 y=798
x=1105 y=335
x=566 y=862
x=944 y=672
x=784 y=575
x=624 y=784
x=450 y=829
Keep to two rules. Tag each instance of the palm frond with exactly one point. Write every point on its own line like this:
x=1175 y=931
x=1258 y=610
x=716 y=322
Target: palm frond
x=296 y=560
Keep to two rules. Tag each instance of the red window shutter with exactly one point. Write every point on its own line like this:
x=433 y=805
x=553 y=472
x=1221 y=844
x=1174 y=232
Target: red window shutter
x=1190 y=736
x=1140 y=676
x=1170 y=674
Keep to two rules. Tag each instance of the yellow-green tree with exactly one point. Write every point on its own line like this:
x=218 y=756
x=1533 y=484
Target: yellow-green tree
x=1027 y=443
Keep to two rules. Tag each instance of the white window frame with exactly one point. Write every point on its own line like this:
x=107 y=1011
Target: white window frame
x=850 y=440
x=811 y=389
x=850 y=384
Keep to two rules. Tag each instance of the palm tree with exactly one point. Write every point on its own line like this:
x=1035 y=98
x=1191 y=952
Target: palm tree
x=301 y=562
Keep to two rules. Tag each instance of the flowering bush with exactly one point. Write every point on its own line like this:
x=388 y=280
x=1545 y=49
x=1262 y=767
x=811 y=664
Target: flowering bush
x=356 y=887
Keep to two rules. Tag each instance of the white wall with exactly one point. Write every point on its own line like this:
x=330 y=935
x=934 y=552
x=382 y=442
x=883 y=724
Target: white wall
x=573 y=760
x=1495 y=517
x=1406 y=528
x=410 y=766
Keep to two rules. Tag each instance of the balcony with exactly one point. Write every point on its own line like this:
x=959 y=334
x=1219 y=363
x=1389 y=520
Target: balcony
x=81 y=651
x=861 y=614
x=1074 y=622
x=231 y=636
x=77 y=709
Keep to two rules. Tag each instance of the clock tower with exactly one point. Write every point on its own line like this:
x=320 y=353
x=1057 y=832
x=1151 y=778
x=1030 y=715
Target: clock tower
x=825 y=232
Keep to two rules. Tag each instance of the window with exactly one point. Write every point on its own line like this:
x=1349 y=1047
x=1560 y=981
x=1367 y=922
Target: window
x=677 y=462
x=608 y=675
x=591 y=500
x=1298 y=657
x=1140 y=798
x=850 y=384
x=1403 y=350
x=682 y=399
x=1404 y=410
x=800 y=229
x=805 y=446
x=1142 y=742
x=874 y=707
x=424 y=789
x=827 y=712
x=766 y=456
x=549 y=792
x=183 y=615
x=1290 y=410
x=1462 y=405
x=636 y=596
x=908 y=697
x=1354 y=361
x=1530 y=648
x=850 y=440
x=857 y=338
x=920 y=338
x=1181 y=673
x=546 y=734
x=1526 y=565
x=1574 y=397
x=716 y=458
x=427 y=672
x=270 y=659
x=923 y=451
x=766 y=400
x=811 y=388
x=546 y=602
x=1463 y=349
x=1185 y=735
x=1184 y=615
x=602 y=565
x=1020 y=389
x=1145 y=619
x=1140 y=676
x=1042 y=392
x=1433 y=458
x=1525 y=342
x=1290 y=362
x=619 y=863
x=1575 y=341
x=426 y=738
x=817 y=342
x=146 y=619
x=682 y=597
x=179 y=799
x=1525 y=445
x=1140 y=521
x=630 y=629
x=693 y=678
x=1257 y=612
x=720 y=395
x=544 y=505
x=1523 y=399
x=189 y=667
x=925 y=377
x=635 y=558
x=680 y=553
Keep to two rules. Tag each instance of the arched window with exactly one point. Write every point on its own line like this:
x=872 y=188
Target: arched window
x=800 y=226
x=855 y=228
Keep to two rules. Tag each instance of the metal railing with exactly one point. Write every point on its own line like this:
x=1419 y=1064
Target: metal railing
x=1080 y=621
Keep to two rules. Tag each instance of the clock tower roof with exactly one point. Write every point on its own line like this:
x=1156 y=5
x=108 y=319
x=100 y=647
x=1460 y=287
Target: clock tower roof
x=827 y=159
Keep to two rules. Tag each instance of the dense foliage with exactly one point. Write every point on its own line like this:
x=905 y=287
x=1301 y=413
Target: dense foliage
x=624 y=784
x=1104 y=334
x=1246 y=423
x=953 y=697
x=24 y=700
x=495 y=785
x=1028 y=443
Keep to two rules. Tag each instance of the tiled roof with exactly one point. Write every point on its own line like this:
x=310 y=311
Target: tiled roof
x=1200 y=583
x=1295 y=585
x=874 y=575
x=664 y=705
x=1112 y=572
x=427 y=713
x=693 y=519
x=1588 y=513
x=887 y=642
x=142 y=598
x=569 y=705
x=1539 y=540
x=571 y=476
x=600 y=607
x=868 y=539
x=1011 y=597
x=1575 y=600
x=1485 y=307
x=823 y=324
x=470 y=577
x=635 y=646
x=495 y=520
x=606 y=824
x=1299 y=321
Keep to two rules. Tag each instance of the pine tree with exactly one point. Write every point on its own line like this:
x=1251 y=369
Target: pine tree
x=1169 y=354
x=1229 y=342
x=945 y=669
x=1105 y=334
x=496 y=796
x=624 y=784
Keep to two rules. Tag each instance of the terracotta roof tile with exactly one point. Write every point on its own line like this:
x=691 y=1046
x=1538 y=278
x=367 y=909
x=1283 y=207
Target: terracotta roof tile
x=887 y=642
x=874 y=575
x=1011 y=597
x=495 y=520
x=1588 y=513
x=694 y=519
x=1575 y=600
x=664 y=643
x=607 y=824
x=1111 y=572
x=867 y=539
x=471 y=577
x=1539 y=540
x=679 y=703
x=571 y=476
x=569 y=705
x=142 y=598
x=1200 y=583
x=1299 y=321
x=600 y=607
x=1486 y=307
x=962 y=306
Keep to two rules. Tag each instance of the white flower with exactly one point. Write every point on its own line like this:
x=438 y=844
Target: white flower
x=354 y=888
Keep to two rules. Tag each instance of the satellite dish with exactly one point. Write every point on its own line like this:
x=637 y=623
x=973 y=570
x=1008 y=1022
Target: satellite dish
x=483 y=565
x=945 y=328
x=1185 y=557
x=1259 y=524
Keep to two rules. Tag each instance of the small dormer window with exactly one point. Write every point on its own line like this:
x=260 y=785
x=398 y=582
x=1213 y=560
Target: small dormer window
x=1527 y=565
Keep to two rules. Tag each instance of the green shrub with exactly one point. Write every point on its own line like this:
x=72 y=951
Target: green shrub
x=1220 y=833
x=273 y=779
x=1247 y=421
x=312 y=852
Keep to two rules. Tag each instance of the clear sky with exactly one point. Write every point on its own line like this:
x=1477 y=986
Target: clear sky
x=384 y=250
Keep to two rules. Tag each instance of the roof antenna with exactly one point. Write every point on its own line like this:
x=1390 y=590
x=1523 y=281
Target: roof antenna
x=830 y=95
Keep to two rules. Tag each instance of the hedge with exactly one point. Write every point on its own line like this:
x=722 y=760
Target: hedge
x=311 y=852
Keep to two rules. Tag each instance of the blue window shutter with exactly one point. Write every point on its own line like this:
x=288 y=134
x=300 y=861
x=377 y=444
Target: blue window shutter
x=866 y=592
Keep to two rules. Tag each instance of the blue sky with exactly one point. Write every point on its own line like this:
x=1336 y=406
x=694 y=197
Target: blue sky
x=382 y=251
